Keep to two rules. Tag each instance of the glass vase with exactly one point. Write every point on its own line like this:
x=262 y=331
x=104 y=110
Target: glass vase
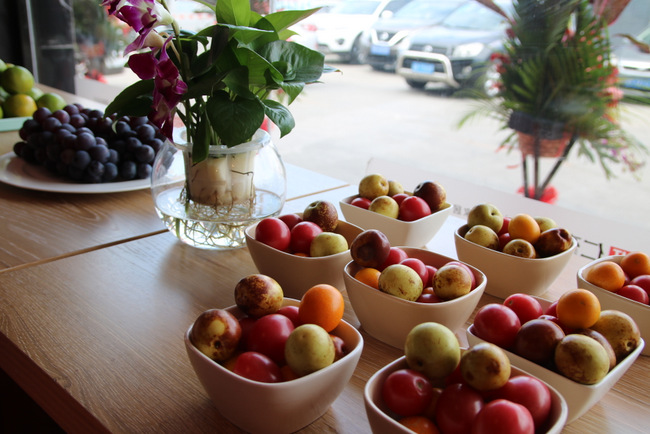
x=209 y=204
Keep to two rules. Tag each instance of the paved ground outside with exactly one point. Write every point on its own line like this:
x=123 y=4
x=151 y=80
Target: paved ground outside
x=358 y=114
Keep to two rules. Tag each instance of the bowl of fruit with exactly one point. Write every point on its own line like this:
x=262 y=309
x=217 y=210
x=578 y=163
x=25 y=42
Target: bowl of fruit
x=301 y=250
x=409 y=286
x=282 y=360
x=406 y=219
x=571 y=344
x=533 y=250
x=437 y=386
x=621 y=282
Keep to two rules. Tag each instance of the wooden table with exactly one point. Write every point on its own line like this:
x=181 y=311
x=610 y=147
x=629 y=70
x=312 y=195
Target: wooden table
x=95 y=297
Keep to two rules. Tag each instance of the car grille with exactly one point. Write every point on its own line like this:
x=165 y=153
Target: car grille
x=427 y=48
x=438 y=66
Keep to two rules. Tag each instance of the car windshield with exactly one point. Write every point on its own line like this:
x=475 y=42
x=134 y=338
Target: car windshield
x=426 y=9
x=475 y=16
x=355 y=8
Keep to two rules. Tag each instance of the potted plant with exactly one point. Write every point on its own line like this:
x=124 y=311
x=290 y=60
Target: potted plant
x=557 y=86
x=220 y=82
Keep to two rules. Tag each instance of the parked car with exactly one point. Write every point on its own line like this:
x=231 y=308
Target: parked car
x=634 y=66
x=456 y=52
x=338 y=31
x=386 y=37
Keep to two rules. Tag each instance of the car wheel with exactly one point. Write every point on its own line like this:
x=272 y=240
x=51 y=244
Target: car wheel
x=416 y=84
x=358 y=55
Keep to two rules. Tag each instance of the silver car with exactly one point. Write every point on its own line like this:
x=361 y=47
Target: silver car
x=456 y=52
x=386 y=37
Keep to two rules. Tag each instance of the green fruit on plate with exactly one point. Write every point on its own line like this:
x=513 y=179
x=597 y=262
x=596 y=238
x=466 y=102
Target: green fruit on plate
x=51 y=101
x=17 y=79
x=19 y=105
x=35 y=93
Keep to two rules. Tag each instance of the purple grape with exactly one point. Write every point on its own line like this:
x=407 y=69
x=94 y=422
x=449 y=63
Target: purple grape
x=99 y=153
x=85 y=141
x=110 y=172
x=145 y=154
x=81 y=160
x=77 y=121
x=62 y=116
x=41 y=114
x=144 y=170
x=51 y=124
x=128 y=170
x=71 y=109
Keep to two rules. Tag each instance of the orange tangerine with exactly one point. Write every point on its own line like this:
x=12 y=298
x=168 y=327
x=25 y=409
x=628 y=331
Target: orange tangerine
x=419 y=424
x=524 y=226
x=369 y=276
x=635 y=264
x=322 y=305
x=578 y=309
x=607 y=275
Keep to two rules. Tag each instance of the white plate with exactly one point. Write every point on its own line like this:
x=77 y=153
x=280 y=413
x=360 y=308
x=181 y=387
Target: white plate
x=19 y=173
x=12 y=124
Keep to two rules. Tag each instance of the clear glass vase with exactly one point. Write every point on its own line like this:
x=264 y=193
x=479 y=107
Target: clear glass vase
x=208 y=205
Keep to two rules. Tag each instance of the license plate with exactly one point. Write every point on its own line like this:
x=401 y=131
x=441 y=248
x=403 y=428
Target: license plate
x=380 y=50
x=638 y=83
x=423 y=67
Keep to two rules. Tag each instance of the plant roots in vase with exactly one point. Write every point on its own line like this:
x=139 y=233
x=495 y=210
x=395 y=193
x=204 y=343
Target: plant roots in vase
x=234 y=188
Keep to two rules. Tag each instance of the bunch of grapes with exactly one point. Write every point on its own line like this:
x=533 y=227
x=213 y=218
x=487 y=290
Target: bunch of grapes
x=86 y=146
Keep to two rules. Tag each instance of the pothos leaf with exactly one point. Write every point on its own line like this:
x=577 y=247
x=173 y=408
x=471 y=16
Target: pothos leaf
x=132 y=99
x=201 y=141
x=280 y=116
x=234 y=121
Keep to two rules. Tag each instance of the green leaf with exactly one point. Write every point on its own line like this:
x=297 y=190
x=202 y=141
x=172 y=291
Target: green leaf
x=234 y=121
x=201 y=140
x=292 y=90
x=233 y=11
x=284 y=19
x=307 y=63
x=280 y=116
x=131 y=99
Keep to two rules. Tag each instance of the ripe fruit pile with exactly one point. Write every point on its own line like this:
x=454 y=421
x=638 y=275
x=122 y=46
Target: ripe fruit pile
x=272 y=343
x=572 y=336
x=391 y=270
x=311 y=235
x=630 y=278
x=443 y=390
x=19 y=97
x=85 y=146
x=521 y=235
x=387 y=197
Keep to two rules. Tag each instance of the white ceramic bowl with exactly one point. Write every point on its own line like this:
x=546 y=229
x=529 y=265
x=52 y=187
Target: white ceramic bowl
x=390 y=319
x=382 y=422
x=579 y=397
x=400 y=233
x=296 y=274
x=608 y=300
x=529 y=276
x=276 y=407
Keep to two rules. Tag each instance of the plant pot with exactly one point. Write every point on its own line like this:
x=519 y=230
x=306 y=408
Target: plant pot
x=209 y=204
x=551 y=148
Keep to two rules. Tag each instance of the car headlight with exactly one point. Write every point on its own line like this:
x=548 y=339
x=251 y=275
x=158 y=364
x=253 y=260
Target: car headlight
x=468 y=50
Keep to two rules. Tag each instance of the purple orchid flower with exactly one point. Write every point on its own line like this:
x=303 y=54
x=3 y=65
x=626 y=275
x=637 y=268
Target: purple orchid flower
x=141 y=15
x=168 y=86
